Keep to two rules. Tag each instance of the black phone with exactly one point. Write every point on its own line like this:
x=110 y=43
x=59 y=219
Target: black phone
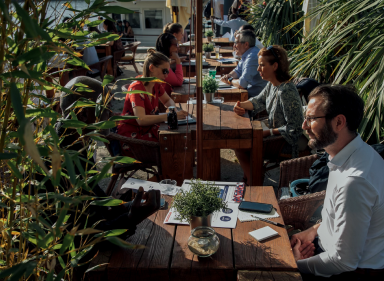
x=255 y=207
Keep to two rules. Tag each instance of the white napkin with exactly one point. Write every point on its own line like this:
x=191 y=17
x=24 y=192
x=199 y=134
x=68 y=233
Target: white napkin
x=263 y=233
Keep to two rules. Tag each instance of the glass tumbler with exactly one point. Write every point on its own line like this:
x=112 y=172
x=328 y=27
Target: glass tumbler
x=203 y=241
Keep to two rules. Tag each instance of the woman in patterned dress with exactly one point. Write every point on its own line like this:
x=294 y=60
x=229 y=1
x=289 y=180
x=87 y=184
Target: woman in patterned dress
x=279 y=98
x=145 y=106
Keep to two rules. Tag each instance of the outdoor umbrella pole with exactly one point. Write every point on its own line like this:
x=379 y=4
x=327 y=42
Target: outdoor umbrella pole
x=199 y=92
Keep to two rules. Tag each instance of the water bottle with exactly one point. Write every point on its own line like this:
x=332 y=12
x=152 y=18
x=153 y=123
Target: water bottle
x=172 y=118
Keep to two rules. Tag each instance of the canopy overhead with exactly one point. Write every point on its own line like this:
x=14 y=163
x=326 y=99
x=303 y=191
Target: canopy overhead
x=184 y=10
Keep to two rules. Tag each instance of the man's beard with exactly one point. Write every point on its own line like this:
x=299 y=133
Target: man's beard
x=326 y=137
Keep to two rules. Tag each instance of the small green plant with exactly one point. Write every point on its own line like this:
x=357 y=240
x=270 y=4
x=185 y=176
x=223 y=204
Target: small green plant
x=209 y=33
x=208 y=47
x=210 y=85
x=202 y=199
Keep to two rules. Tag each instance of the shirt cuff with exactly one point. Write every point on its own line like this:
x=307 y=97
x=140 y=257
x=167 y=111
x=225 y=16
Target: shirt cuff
x=303 y=266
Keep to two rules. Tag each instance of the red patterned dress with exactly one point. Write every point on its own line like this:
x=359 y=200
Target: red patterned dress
x=130 y=128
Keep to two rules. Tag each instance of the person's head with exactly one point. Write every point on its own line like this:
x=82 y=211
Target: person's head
x=233 y=17
x=109 y=26
x=119 y=23
x=244 y=40
x=156 y=65
x=333 y=111
x=100 y=18
x=175 y=29
x=246 y=27
x=273 y=63
x=166 y=43
x=93 y=29
x=305 y=86
x=126 y=23
x=85 y=114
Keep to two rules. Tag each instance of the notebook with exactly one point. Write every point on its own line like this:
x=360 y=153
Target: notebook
x=263 y=233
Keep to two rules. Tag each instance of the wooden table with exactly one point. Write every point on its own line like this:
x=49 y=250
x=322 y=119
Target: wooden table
x=222 y=129
x=183 y=93
x=219 y=41
x=225 y=52
x=167 y=257
x=189 y=70
x=107 y=50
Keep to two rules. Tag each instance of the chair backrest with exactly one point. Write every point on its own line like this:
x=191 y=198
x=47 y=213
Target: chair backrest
x=133 y=48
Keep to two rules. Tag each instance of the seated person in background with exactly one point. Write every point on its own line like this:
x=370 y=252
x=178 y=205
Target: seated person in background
x=128 y=32
x=234 y=23
x=110 y=27
x=246 y=75
x=279 y=98
x=126 y=216
x=166 y=44
x=101 y=25
x=144 y=106
x=350 y=243
x=120 y=27
x=175 y=29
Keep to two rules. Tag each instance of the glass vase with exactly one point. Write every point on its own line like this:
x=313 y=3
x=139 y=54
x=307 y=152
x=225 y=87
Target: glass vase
x=203 y=241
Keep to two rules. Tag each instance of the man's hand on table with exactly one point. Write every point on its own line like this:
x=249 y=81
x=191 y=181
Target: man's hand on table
x=182 y=115
x=238 y=110
x=225 y=79
x=303 y=251
x=140 y=211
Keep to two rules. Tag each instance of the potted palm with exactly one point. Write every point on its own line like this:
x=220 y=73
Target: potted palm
x=209 y=34
x=199 y=203
x=210 y=86
x=208 y=48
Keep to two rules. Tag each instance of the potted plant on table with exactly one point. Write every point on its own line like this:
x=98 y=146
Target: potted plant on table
x=208 y=48
x=209 y=34
x=199 y=203
x=210 y=86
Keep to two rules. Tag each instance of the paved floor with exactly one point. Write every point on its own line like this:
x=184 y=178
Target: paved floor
x=230 y=167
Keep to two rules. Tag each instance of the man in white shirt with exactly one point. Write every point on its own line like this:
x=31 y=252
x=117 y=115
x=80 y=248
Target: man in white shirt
x=234 y=23
x=101 y=25
x=218 y=12
x=350 y=243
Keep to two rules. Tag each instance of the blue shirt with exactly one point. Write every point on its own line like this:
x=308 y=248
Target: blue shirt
x=234 y=25
x=247 y=71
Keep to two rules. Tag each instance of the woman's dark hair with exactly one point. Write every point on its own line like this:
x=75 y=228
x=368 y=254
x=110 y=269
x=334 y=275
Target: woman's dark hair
x=125 y=21
x=164 y=43
x=282 y=72
x=172 y=28
x=340 y=99
x=155 y=58
x=110 y=26
x=94 y=28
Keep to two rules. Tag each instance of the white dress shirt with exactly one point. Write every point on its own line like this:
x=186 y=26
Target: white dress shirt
x=352 y=231
x=234 y=25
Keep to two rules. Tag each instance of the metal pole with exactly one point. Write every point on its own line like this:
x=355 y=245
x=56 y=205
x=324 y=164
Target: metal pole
x=199 y=90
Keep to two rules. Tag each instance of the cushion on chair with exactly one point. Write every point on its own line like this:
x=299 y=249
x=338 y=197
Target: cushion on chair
x=127 y=58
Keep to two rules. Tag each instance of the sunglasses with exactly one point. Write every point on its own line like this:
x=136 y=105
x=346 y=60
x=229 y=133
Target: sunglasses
x=165 y=71
x=270 y=48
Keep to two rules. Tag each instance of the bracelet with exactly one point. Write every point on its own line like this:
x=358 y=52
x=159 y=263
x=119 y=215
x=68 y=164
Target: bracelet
x=271 y=131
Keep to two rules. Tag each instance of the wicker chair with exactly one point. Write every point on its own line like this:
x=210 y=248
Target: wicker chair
x=147 y=153
x=297 y=211
x=130 y=59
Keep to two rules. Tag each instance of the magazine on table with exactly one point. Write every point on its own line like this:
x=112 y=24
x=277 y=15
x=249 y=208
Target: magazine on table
x=230 y=192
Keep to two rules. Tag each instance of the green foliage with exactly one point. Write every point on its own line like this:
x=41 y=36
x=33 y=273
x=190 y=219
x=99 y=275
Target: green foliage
x=202 y=199
x=39 y=227
x=209 y=33
x=210 y=85
x=270 y=22
x=347 y=48
x=208 y=47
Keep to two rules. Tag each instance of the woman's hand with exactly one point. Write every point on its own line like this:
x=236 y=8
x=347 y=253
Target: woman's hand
x=175 y=57
x=238 y=109
x=182 y=115
x=303 y=251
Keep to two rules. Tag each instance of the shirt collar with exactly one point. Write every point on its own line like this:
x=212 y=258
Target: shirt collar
x=246 y=53
x=344 y=154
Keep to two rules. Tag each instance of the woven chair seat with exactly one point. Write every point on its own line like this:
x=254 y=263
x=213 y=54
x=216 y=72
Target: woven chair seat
x=126 y=58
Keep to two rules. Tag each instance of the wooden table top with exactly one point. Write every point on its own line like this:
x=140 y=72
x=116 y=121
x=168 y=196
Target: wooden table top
x=224 y=51
x=219 y=41
x=167 y=257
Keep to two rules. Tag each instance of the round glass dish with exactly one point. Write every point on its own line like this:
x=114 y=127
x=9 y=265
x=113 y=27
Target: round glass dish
x=203 y=241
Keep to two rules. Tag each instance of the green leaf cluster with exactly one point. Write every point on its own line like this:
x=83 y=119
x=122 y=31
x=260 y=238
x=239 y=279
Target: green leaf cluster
x=201 y=200
x=209 y=33
x=208 y=47
x=210 y=85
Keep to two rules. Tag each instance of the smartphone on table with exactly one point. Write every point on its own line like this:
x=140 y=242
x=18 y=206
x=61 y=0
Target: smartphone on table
x=255 y=207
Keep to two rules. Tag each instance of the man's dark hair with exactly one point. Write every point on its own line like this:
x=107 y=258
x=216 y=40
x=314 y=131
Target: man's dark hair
x=233 y=16
x=340 y=99
x=164 y=42
x=248 y=36
x=247 y=27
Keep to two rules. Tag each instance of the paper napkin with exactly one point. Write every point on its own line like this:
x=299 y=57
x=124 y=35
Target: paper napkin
x=263 y=233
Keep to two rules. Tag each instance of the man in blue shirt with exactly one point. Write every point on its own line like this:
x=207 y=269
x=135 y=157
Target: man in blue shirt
x=234 y=23
x=245 y=75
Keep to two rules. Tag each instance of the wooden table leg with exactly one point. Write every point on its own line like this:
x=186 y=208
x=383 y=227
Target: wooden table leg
x=256 y=155
x=211 y=165
x=174 y=156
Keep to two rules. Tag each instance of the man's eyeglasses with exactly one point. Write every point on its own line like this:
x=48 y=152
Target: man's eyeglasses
x=270 y=48
x=309 y=119
x=236 y=43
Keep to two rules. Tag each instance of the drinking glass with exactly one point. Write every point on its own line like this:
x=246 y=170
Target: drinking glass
x=212 y=73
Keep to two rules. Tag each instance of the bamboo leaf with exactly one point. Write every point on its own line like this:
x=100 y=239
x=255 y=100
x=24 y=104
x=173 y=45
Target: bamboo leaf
x=121 y=243
x=109 y=202
x=70 y=168
x=72 y=123
x=107 y=79
x=17 y=104
x=102 y=125
x=6 y=156
x=96 y=138
x=110 y=233
x=119 y=118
